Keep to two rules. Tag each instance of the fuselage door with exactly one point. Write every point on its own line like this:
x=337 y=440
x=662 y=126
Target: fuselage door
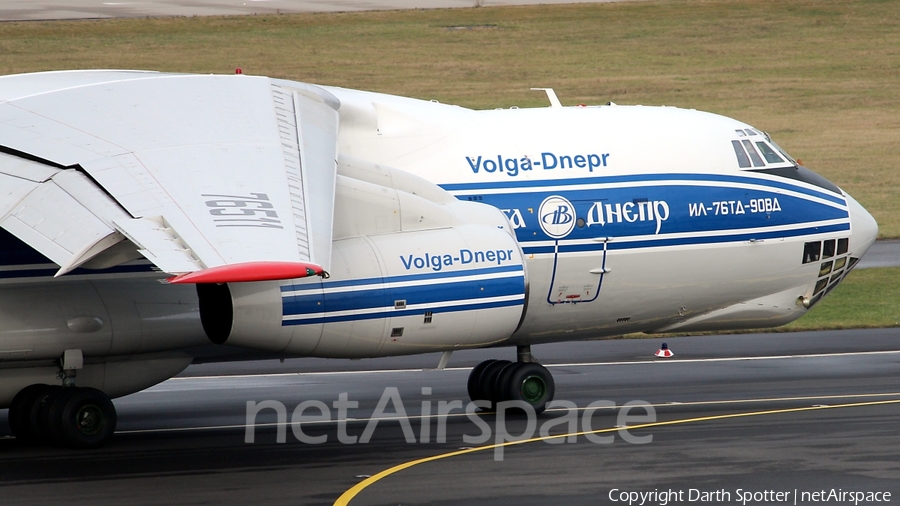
x=578 y=265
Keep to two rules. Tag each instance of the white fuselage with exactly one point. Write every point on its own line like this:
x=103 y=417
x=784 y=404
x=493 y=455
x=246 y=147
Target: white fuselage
x=656 y=223
x=612 y=219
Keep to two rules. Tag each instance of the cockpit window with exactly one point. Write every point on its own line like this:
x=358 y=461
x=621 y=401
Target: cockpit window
x=777 y=162
x=748 y=152
x=743 y=160
x=754 y=156
x=768 y=153
x=780 y=150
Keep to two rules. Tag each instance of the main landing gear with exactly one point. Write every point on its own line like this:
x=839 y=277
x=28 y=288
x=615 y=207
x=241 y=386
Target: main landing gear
x=501 y=380
x=62 y=415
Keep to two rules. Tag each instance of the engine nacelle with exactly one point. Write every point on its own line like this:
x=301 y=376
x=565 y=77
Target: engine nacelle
x=409 y=275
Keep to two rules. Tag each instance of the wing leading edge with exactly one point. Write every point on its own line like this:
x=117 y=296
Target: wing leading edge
x=227 y=175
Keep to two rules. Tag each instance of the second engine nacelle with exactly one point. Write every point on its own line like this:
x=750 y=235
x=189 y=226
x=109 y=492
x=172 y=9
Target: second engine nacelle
x=394 y=290
x=388 y=295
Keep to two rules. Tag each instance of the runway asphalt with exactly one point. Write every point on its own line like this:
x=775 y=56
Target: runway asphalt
x=884 y=253
x=12 y=10
x=795 y=412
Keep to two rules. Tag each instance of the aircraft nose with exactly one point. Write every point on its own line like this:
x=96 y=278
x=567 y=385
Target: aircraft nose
x=863 y=228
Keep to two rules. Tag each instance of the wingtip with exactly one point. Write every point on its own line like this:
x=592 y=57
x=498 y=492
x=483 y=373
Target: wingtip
x=249 y=272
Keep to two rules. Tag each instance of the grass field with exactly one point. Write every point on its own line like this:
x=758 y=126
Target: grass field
x=822 y=76
x=868 y=298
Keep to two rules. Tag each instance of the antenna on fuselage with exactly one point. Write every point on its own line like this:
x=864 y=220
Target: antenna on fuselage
x=551 y=95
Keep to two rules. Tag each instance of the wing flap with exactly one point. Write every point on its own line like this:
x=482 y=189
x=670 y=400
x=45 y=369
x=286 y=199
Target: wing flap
x=25 y=169
x=160 y=244
x=12 y=191
x=134 y=188
x=197 y=171
x=56 y=224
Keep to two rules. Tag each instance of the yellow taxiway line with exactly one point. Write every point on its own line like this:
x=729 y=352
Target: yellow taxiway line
x=352 y=492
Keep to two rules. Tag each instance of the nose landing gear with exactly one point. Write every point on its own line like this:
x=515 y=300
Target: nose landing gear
x=501 y=380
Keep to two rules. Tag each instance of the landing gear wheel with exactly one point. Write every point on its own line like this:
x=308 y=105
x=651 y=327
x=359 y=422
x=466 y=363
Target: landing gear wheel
x=81 y=418
x=501 y=384
x=486 y=381
x=531 y=383
x=40 y=421
x=474 y=384
x=489 y=381
x=20 y=413
x=502 y=380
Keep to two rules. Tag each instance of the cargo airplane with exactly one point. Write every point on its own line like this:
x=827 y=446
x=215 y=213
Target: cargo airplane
x=153 y=220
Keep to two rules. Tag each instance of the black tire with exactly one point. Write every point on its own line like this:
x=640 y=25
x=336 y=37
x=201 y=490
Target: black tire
x=531 y=383
x=40 y=427
x=501 y=390
x=475 y=376
x=82 y=418
x=20 y=412
x=488 y=380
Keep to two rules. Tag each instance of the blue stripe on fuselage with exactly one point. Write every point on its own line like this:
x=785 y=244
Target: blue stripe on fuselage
x=683 y=241
x=393 y=313
x=705 y=211
x=488 y=187
x=400 y=279
x=424 y=293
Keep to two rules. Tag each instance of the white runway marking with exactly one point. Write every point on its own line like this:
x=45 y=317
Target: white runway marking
x=556 y=410
x=573 y=364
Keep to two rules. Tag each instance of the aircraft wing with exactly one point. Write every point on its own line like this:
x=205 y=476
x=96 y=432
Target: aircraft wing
x=212 y=178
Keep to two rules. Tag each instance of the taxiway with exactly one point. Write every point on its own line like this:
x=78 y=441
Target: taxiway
x=793 y=411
